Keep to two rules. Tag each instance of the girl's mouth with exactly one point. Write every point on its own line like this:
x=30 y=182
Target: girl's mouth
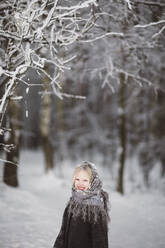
x=81 y=188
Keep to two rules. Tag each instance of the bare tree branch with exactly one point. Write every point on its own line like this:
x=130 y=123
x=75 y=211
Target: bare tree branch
x=149 y=24
x=150 y=3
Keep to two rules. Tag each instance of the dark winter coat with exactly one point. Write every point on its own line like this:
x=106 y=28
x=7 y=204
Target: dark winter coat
x=86 y=217
x=75 y=233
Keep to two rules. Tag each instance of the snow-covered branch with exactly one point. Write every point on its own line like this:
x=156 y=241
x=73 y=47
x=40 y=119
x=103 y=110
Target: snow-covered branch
x=63 y=94
x=153 y=24
x=35 y=26
x=137 y=78
x=8 y=162
x=109 y=34
x=149 y=3
x=9 y=35
x=158 y=33
x=149 y=24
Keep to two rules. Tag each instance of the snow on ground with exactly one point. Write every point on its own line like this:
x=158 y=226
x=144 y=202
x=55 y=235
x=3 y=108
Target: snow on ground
x=31 y=215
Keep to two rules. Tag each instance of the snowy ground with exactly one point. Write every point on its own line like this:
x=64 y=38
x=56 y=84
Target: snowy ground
x=30 y=216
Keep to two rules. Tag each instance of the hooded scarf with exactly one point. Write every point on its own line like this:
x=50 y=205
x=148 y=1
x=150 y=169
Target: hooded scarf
x=91 y=204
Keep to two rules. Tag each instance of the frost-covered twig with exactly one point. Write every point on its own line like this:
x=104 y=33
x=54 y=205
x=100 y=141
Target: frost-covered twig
x=153 y=24
x=85 y=4
x=73 y=96
x=149 y=24
x=9 y=35
x=16 y=98
x=113 y=34
x=63 y=94
x=158 y=33
x=136 y=77
x=150 y=3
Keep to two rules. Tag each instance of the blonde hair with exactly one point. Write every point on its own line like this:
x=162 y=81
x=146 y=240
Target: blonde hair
x=80 y=168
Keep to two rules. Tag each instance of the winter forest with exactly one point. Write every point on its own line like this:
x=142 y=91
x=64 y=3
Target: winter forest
x=82 y=80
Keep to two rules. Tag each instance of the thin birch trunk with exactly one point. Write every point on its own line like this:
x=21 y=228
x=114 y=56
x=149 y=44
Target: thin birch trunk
x=45 y=126
x=10 y=176
x=122 y=134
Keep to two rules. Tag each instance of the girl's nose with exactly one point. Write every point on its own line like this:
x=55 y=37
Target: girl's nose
x=81 y=184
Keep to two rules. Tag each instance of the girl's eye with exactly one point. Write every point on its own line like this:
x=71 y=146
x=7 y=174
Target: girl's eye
x=77 y=179
x=85 y=180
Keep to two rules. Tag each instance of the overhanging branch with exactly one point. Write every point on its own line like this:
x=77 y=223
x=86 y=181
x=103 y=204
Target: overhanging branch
x=149 y=3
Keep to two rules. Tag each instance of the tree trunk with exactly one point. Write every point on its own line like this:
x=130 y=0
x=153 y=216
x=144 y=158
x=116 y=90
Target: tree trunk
x=160 y=127
x=48 y=153
x=44 y=127
x=10 y=176
x=122 y=134
x=163 y=167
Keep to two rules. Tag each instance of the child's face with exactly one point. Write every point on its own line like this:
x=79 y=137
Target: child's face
x=82 y=180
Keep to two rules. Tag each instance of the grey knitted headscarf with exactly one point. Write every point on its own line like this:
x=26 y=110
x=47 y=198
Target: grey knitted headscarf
x=90 y=204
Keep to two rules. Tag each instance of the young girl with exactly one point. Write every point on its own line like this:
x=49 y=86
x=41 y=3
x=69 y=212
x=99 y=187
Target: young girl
x=86 y=217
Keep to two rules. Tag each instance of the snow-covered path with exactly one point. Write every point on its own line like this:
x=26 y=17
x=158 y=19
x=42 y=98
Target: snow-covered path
x=30 y=216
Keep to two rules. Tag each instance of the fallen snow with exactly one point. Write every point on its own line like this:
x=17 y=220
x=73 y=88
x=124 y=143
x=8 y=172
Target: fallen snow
x=31 y=215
